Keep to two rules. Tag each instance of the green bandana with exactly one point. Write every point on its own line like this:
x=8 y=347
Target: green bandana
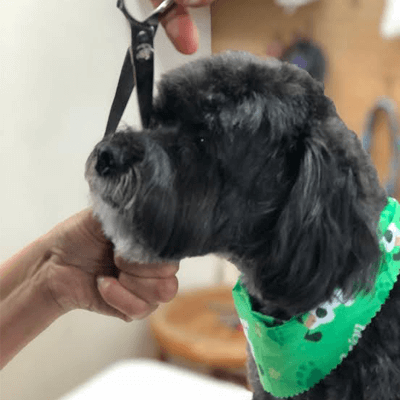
x=294 y=355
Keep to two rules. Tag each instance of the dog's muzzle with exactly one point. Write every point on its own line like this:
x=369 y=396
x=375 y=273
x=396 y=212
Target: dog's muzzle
x=114 y=169
x=115 y=158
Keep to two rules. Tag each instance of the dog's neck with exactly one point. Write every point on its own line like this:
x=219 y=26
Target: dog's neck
x=268 y=307
x=297 y=267
x=260 y=302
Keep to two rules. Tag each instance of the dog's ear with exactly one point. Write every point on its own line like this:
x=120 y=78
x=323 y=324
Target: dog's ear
x=326 y=235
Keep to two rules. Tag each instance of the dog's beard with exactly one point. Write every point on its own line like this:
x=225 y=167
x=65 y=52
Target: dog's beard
x=120 y=191
x=121 y=188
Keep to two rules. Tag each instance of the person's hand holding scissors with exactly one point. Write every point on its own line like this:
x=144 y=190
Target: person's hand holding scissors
x=179 y=25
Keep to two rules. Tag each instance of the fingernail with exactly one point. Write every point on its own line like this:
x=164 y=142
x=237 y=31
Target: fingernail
x=192 y=3
x=127 y=318
x=173 y=30
x=101 y=281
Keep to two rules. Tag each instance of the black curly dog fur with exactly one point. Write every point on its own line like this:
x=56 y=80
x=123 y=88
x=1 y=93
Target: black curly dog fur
x=248 y=159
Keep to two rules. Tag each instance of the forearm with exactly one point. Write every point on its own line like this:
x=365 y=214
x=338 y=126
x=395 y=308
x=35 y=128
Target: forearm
x=23 y=265
x=24 y=314
x=26 y=305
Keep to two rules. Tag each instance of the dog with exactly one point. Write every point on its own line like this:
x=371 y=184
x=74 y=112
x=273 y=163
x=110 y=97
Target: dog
x=247 y=158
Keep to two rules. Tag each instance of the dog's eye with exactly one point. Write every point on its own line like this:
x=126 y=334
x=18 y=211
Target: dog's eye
x=201 y=143
x=201 y=140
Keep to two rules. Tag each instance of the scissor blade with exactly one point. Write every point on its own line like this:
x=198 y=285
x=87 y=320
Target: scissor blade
x=124 y=90
x=138 y=66
x=144 y=81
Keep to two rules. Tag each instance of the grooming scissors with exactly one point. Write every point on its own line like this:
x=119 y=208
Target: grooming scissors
x=138 y=66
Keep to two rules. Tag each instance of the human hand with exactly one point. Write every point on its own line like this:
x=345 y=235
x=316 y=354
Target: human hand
x=180 y=27
x=81 y=255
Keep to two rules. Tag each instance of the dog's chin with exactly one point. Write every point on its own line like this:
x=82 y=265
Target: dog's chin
x=117 y=227
x=112 y=200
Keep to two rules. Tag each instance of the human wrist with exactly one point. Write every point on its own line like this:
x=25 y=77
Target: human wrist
x=27 y=311
x=24 y=265
x=28 y=271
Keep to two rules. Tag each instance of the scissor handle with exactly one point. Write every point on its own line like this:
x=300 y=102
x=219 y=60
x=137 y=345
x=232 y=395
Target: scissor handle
x=162 y=8
x=138 y=67
x=142 y=59
x=153 y=18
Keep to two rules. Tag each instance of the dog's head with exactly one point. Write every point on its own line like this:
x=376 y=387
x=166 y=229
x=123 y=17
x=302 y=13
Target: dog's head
x=247 y=158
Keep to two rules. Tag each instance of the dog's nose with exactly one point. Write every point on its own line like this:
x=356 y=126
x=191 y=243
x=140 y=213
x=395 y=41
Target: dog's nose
x=108 y=159
x=114 y=158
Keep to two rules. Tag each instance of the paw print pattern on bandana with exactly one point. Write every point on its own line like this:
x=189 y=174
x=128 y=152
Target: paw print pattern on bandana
x=277 y=336
x=308 y=374
x=274 y=322
x=382 y=290
x=274 y=374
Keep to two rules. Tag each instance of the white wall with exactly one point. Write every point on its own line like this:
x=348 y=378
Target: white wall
x=59 y=64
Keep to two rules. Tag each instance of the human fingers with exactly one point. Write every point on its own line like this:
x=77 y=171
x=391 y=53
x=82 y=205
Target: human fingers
x=194 y=3
x=154 y=283
x=155 y=270
x=123 y=300
x=180 y=28
x=151 y=290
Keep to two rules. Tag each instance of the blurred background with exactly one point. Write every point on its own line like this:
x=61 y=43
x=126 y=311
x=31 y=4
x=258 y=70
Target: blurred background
x=359 y=40
x=60 y=61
